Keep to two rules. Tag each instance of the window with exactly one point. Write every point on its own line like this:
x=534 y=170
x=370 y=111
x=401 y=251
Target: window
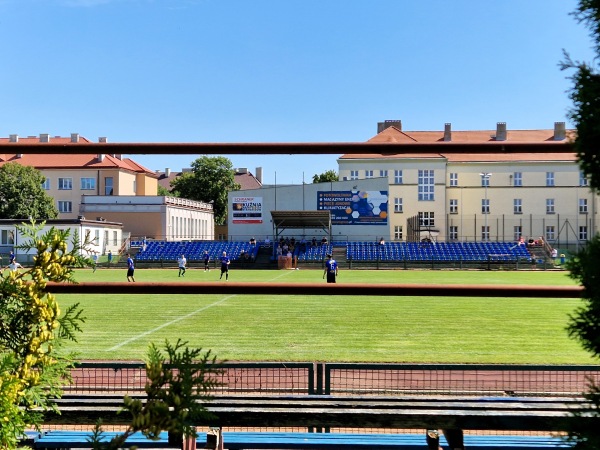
x=115 y=242
x=518 y=179
x=485 y=180
x=426 y=219
x=453 y=206
x=583 y=206
x=383 y=173
x=583 y=181
x=65 y=206
x=550 y=206
x=550 y=233
x=398 y=232
x=368 y=174
x=453 y=179
x=96 y=237
x=485 y=233
x=65 y=184
x=485 y=206
x=517 y=232
x=549 y=178
x=7 y=237
x=453 y=232
x=88 y=184
x=582 y=233
x=426 y=185
x=517 y=206
x=354 y=174
x=397 y=205
x=46 y=184
x=397 y=177
x=108 y=186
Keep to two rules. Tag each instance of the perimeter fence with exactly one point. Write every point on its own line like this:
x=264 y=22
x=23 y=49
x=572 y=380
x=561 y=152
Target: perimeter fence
x=356 y=379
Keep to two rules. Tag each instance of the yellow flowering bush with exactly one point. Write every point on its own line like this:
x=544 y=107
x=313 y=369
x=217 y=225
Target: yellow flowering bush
x=32 y=369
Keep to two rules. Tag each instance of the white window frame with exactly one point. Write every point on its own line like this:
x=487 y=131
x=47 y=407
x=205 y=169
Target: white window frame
x=583 y=233
x=398 y=235
x=46 y=184
x=517 y=232
x=453 y=206
x=7 y=237
x=550 y=179
x=550 y=206
x=583 y=206
x=583 y=180
x=383 y=173
x=550 y=232
x=453 y=232
x=426 y=218
x=517 y=206
x=518 y=179
x=88 y=183
x=369 y=174
x=453 y=179
x=354 y=175
x=398 y=205
x=65 y=206
x=485 y=206
x=426 y=185
x=485 y=232
x=65 y=184
x=398 y=177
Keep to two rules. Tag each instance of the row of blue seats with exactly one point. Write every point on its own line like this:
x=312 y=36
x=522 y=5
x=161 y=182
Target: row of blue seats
x=193 y=250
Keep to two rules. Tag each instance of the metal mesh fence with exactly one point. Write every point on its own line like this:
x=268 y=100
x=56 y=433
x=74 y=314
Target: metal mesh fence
x=356 y=379
x=496 y=380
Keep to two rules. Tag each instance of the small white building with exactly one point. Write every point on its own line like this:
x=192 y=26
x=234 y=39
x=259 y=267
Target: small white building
x=154 y=217
x=103 y=235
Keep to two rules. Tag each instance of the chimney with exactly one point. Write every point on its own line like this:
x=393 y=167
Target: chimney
x=167 y=172
x=388 y=123
x=501 y=131
x=447 y=132
x=102 y=140
x=560 y=132
x=74 y=138
x=13 y=138
x=44 y=137
x=259 y=174
x=100 y=157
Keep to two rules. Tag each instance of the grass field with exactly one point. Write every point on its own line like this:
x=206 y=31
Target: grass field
x=296 y=327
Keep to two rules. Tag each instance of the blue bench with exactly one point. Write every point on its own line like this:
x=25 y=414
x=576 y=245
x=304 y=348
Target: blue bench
x=238 y=440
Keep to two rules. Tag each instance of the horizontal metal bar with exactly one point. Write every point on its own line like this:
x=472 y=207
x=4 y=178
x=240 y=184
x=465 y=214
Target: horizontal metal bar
x=229 y=288
x=315 y=148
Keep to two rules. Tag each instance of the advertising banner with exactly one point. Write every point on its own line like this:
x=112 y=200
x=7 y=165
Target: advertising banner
x=247 y=210
x=355 y=207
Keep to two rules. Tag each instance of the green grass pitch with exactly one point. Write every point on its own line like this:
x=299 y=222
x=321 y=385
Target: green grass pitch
x=296 y=327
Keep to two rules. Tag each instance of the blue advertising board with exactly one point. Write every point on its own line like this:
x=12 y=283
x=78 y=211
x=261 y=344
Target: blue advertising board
x=354 y=207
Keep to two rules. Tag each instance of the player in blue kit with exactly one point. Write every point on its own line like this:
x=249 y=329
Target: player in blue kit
x=225 y=266
x=331 y=269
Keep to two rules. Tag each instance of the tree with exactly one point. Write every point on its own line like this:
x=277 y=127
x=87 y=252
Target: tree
x=210 y=180
x=22 y=195
x=32 y=368
x=584 y=323
x=162 y=191
x=179 y=385
x=325 y=177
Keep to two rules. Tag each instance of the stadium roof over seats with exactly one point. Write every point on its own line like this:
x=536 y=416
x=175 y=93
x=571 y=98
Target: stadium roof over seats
x=301 y=219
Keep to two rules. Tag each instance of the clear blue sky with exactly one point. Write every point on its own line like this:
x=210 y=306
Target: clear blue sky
x=280 y=70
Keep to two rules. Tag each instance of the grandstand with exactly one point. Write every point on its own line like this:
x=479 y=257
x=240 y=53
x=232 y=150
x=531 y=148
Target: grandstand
x=356 y=254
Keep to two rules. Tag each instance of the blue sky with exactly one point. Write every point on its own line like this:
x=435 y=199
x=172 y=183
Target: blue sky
x=280 y=70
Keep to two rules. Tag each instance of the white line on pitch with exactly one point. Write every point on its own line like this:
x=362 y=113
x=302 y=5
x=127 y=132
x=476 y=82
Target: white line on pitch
x=146 y=333
x=179 y=319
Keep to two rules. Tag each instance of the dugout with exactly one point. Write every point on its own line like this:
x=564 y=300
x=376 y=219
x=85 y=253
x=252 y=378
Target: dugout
x=283 y=220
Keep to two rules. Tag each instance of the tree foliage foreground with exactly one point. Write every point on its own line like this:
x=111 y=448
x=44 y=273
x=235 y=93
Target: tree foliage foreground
x=584 y=323
x=32 y=368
